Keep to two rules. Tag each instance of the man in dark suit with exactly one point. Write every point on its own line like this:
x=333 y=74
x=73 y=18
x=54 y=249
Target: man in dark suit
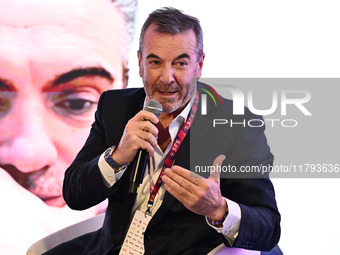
x=187 y=214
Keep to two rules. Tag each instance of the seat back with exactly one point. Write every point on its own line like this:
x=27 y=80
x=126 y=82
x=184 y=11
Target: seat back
x=66 y=234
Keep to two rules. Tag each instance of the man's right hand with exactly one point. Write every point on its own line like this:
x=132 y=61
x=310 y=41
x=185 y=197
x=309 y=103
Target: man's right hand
x=139 y=133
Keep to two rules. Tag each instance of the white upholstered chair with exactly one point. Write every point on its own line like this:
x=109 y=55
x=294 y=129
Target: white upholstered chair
x=66 y=234
x=94 y=224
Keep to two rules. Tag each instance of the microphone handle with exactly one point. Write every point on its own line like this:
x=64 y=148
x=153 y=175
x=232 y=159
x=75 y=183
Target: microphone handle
x=138 y=168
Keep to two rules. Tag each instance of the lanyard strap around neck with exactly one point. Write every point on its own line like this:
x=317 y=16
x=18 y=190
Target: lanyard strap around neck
x=173 y=152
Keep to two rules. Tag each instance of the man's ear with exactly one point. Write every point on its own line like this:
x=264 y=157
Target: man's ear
x=200 y=66
x=139 y=55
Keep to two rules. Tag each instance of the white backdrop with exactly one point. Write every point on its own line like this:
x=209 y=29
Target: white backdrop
x=294 y=38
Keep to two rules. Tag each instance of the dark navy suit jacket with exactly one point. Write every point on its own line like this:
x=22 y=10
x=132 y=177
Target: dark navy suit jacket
x=174 y=229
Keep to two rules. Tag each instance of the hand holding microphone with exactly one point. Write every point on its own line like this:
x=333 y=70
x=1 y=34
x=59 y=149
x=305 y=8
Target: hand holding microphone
x=138 y=141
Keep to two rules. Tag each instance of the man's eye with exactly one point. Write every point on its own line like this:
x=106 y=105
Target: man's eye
x=181 y=64
x=154 y=62
x=76 y=106
x=6 y=101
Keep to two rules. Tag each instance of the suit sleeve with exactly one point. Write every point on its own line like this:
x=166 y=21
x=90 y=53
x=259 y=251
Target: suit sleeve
x=254 y=192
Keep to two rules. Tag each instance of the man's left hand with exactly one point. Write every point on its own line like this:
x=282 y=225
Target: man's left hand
x=200 y=195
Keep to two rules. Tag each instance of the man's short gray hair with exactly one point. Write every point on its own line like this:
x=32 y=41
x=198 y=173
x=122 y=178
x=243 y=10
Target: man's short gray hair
x=128 y=8
x=172 y=21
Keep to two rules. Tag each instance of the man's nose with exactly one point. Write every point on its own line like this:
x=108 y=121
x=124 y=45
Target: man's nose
x=28 y=147
x=167 y=75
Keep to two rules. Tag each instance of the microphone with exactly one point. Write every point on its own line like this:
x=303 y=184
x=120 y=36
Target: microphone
x=141 y=158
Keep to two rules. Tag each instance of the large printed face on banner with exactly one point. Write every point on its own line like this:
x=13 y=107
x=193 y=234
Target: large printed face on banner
x=56 y=58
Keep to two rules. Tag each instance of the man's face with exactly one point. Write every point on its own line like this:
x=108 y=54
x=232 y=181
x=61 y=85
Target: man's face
x=56 y=58
x=170 y=68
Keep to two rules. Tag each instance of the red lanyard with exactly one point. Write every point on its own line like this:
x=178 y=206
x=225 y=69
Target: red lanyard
x=173 y=152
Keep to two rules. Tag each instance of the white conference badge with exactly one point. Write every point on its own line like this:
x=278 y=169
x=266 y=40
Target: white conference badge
x=134 y=239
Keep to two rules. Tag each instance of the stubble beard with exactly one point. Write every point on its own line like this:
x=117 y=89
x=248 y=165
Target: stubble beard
x=171 y=105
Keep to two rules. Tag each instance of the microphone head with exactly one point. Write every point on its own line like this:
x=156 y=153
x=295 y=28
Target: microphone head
x=153 y=106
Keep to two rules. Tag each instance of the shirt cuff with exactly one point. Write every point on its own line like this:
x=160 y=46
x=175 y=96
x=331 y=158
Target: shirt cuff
x=231 y=224
x=109 y=175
